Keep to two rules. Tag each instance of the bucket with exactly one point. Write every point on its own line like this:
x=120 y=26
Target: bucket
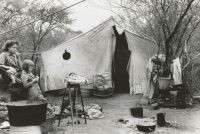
x=164 y=82
x=161 y=119
x=137 y=112
x=24 y=113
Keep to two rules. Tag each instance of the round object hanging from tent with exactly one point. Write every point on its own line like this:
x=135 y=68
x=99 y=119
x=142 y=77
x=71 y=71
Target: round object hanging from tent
x=66 y=55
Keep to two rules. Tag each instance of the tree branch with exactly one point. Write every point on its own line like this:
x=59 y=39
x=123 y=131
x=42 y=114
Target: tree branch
x=182 y=34
x=190 y=34
x=179 y=21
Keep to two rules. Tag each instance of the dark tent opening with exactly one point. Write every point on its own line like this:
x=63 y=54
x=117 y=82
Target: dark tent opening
x=121 y=59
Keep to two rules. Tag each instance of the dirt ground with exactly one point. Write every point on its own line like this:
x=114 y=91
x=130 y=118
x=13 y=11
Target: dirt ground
x=185 y=121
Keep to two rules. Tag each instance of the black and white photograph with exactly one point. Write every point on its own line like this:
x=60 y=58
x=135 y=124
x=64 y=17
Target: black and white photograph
x=99 y=67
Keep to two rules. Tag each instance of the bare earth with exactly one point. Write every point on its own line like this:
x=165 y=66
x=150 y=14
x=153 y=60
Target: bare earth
x=185 y=121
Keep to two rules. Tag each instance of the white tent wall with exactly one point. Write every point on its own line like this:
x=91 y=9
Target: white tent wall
x=91 y=54
x=141 y=51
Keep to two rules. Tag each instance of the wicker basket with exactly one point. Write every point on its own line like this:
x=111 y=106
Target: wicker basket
x=100 y=90
x=164 y=83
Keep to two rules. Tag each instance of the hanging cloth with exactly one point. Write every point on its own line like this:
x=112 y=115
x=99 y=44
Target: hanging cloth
x=177 y=71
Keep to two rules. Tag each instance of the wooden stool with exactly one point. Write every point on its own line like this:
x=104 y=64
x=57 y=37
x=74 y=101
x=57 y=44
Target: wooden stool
x=77 y=93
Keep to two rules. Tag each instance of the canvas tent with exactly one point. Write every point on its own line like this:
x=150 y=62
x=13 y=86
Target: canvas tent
x=100 y=52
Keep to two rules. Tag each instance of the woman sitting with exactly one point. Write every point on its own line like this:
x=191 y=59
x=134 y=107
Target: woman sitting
x=10 y=60
x=30 y=81
x=10 y=69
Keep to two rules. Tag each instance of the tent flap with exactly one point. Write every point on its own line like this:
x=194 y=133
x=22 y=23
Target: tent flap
x=141 y=51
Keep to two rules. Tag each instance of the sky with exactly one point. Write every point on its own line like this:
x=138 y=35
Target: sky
x=87 y=14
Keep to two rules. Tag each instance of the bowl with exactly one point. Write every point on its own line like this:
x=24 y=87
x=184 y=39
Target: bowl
x=146 y=128
x=146 y=124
